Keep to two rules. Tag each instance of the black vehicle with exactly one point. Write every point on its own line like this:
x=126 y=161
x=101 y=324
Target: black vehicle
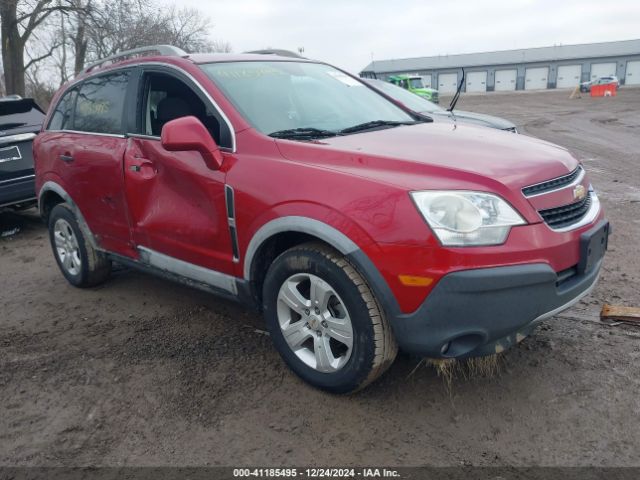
x=20 y=121
x=424 y=107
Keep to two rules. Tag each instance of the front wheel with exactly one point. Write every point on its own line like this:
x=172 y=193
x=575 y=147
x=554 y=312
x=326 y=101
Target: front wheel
x=325 y=320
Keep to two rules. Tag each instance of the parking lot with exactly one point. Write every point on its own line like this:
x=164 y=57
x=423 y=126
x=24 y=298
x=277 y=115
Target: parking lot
x=141 y=371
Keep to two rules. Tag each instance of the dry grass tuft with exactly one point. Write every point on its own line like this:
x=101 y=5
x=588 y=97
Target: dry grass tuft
x=449 y=369
x=446 y=369
x=484 y=367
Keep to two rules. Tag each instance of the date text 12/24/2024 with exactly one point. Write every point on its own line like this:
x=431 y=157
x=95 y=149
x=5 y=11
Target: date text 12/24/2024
x=315 y=472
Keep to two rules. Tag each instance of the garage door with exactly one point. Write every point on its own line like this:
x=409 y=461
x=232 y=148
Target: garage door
x=536 y=78
x=569 y=76
x=602 y=70
x=633 y=73
x=476 y=81
x=426 y=79
x=447 y=82
x=505 y=80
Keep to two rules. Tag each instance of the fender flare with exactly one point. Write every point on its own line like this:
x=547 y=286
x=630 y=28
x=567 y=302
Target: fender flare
x=50 y=186
x=334 y=238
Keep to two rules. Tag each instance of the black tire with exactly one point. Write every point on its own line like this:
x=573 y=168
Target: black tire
x=94 y=266
x=373 y=345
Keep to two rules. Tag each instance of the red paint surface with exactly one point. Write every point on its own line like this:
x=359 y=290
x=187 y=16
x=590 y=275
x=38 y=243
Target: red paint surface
x=358 y=184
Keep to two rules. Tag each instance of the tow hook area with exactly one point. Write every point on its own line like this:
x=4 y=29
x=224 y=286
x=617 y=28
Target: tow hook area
x=461 y=345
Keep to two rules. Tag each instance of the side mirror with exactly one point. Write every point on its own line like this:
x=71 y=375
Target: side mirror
x=189 y=134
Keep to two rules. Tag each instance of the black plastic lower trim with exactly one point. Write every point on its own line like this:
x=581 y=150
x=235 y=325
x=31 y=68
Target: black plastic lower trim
x=484 y=311
x=20 y=191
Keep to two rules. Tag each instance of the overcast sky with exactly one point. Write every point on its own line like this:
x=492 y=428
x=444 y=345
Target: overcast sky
x=347 y=33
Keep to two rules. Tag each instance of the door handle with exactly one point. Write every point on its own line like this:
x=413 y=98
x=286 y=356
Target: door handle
x=66 y=158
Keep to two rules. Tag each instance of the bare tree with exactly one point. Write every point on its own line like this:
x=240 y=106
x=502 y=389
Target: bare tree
x=78 y=34
x=186 y=28
x=18 y=21
x=125 y=24
x=42 y=92
x=84 y=30
x=219 y=46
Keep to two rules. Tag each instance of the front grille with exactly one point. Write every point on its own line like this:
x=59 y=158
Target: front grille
x=567 y=215
x=553 y=184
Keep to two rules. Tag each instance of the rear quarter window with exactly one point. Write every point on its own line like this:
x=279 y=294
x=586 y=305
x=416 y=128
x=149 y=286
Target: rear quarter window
x=100 y=104
x=62 y=115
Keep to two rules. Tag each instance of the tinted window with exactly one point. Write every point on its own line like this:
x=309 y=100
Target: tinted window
x=61 y=118
x=168 y=98
x=100 y=104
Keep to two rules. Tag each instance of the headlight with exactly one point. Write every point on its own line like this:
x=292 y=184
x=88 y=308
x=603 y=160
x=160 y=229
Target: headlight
x=463 y=218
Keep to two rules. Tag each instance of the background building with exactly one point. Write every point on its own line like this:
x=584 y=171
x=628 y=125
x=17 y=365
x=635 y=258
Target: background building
x=560 y=66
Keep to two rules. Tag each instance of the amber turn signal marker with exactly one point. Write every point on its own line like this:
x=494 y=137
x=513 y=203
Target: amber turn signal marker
x=414 y=281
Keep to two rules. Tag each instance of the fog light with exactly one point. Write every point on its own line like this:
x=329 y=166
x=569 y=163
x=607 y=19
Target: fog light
x=445 y=348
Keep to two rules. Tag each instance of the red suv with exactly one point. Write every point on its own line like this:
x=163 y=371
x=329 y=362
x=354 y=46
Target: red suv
x=290 y=185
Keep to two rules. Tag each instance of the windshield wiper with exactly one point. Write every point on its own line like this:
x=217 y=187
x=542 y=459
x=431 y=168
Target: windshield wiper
x=361 y=127
x=454 y=100
x=303 y=133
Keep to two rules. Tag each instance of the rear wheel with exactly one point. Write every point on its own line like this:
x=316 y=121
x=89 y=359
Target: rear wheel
x=325 y=320
x=80 y=263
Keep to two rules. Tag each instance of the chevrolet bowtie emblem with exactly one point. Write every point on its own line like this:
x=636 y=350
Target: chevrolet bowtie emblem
x=579 y=192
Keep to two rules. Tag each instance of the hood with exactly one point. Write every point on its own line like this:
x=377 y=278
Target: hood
x=476 y=118
x=438 y=155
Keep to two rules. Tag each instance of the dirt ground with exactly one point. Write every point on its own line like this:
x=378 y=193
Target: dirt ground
x=142 y=371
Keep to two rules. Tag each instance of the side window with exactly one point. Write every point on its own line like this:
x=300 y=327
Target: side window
x=100 y=104
x=61 y=118
x=167 y=98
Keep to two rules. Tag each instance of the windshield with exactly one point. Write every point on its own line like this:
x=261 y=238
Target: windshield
x=408 y=99
x=278 y=96
x=416 y=83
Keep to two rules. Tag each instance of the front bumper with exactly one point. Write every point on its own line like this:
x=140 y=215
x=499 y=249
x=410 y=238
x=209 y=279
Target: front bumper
x=473 y=313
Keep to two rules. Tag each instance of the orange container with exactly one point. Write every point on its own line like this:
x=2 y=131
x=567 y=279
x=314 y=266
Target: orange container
x=607 y=90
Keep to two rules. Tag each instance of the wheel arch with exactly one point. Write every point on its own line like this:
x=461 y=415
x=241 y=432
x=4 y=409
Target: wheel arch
x=52 y=194
x=282 y=233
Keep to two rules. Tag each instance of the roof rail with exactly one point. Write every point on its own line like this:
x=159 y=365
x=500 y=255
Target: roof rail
x=168 y=50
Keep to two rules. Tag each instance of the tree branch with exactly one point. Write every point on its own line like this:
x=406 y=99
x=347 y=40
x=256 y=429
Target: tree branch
x=40 y=13
x=42 y=57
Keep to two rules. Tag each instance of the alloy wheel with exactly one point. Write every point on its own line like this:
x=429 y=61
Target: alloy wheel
x=67 y=247
x=315 y=322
